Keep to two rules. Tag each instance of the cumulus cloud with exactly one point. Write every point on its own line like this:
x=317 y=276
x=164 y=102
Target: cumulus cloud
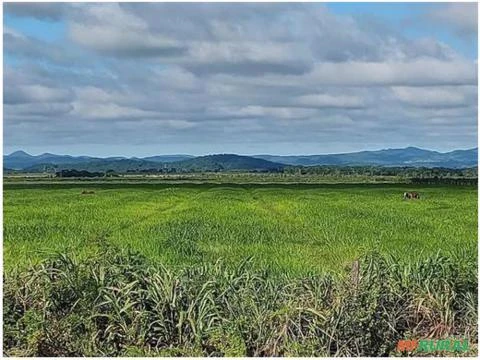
x=24 y=46
x=94 y=111
x=436 y=96
x=264 y=111
x=32 y=112
x=247 y=58
x=329 y=101
x=462 y=17
x=426 y=71
x=35 y=94
x=110 y=29
x=233 y=77
x=42 y=11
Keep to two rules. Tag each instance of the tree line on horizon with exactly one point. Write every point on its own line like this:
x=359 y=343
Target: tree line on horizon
x=416 y=175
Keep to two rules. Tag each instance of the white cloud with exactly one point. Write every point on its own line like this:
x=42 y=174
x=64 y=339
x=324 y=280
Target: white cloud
x=463 y=17
x=109 y=29
x=43 y=11
x=264 y=111
x=93 y=94
x=32 y=111
x=175 y=77
x=427 y=71
x=95 y=111
x=432 y=96
x=248 y=58
x=35 y=94
x=326 y=100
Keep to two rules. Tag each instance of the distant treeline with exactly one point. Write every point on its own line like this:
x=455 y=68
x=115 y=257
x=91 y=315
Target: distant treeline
x=407 y=172
x=79 y=174
x=446 y=181
x=217 y=169
x=466 y=176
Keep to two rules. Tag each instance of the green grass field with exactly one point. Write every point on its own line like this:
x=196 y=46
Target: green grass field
x=238 y=270
x=290 y=228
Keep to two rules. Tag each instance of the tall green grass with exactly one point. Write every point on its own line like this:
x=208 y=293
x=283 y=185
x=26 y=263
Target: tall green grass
x=119 y=303
x=295 y=229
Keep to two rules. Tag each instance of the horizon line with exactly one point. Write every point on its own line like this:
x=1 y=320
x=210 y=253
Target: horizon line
x=239 y=154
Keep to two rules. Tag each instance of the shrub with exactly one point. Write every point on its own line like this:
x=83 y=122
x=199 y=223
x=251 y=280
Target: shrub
x=117 y=303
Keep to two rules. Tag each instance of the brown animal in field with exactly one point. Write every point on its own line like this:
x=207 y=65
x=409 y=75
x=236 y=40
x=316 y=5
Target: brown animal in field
x=88 y=192
x=411 y=195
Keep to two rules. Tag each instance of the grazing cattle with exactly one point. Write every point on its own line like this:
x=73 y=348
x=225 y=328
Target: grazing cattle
x=411 y=195
x=88 y=192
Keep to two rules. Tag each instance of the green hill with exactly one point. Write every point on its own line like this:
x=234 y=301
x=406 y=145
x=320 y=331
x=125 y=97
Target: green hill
x=227 y=162
x=222 y=162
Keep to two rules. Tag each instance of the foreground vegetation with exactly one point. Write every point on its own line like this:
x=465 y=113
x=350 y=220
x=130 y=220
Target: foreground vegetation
x=236 y=269
x=119 y=303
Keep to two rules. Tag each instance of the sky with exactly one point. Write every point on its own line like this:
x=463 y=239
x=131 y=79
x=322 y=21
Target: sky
x=140 y=79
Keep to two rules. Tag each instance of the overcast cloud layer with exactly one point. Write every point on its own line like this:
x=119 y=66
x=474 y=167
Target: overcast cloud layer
x=142 y=79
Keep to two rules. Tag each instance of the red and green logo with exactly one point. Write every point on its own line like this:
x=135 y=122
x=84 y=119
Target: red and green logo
x=430 y=345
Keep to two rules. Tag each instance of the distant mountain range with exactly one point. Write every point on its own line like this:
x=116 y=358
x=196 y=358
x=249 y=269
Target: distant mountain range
x=20 y=160
x=410 y=156
x=407 y=157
